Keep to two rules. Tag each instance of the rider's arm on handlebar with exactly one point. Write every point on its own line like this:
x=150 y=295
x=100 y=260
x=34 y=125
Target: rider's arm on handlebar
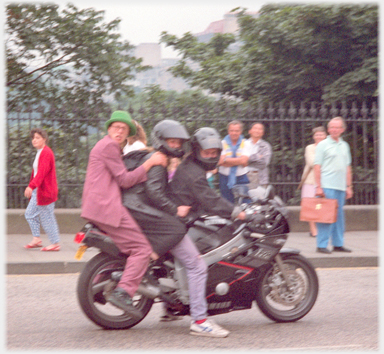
x=238 y=213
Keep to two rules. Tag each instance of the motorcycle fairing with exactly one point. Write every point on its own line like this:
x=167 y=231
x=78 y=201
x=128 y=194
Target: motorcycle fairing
x=263 y=251
x=240 y=293
x=208 y=237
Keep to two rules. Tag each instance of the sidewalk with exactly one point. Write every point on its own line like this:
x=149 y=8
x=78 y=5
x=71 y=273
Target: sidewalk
x=364 y=245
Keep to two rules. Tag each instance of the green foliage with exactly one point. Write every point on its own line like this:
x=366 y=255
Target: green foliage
x=289 y=53
x=65 y=58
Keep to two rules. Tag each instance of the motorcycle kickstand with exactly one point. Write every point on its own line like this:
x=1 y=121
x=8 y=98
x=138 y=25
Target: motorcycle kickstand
x=280 y=264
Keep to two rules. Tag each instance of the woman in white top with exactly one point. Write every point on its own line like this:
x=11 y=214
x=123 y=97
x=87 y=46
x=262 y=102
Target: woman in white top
x=309 y=188
x=137 y=141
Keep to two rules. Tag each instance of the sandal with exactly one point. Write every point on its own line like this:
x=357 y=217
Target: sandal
x=51 y=248
x=34 y=245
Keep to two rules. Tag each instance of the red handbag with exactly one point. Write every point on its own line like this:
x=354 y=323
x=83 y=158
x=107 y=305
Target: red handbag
x=322 y=210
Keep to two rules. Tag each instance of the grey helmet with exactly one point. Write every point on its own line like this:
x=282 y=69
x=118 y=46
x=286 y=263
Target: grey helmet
x=202 y=139
x=168 y=129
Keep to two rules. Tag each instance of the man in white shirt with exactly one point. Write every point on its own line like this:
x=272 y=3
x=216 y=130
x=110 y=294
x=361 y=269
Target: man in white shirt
x=259 y=156
x=233 y=161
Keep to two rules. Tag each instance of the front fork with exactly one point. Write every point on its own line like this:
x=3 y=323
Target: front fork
x=283 y=271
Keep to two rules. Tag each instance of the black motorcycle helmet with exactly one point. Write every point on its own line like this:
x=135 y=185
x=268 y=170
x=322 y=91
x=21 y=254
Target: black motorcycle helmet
x=202 y=139
x=168 y=129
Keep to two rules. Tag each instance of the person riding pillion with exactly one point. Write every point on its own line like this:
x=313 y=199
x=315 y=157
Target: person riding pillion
x=159 y=218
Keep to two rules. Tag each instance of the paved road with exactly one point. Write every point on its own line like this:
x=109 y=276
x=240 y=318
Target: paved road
x=21 y=261
x=43 y=314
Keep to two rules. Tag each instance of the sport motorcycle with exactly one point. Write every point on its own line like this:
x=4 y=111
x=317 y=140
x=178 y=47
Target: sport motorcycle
x=246 y=263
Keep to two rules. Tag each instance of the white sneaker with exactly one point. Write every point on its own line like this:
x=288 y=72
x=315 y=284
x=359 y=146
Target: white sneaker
x=208 y=329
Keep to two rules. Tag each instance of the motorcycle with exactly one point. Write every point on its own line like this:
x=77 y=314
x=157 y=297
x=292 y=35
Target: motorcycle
x=246 y=263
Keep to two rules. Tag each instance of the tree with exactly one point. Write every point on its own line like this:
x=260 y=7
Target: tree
x=71 y=57
x=292 y=53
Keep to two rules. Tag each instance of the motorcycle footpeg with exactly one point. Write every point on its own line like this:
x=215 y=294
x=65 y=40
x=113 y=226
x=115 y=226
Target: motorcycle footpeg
x=169 y=299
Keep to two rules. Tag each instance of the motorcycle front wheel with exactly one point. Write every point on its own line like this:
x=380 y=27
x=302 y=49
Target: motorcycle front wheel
x=281 y=303
x=94 y=280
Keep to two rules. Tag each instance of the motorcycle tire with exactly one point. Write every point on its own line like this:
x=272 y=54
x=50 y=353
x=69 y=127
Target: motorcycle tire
x=92 y=283
x=281 y=304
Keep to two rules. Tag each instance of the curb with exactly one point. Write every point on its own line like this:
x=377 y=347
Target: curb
x=44 y=268
x=77 y=267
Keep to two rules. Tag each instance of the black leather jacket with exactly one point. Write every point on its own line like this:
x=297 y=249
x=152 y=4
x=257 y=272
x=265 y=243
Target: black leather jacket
x=153 y=196
x=189 y=186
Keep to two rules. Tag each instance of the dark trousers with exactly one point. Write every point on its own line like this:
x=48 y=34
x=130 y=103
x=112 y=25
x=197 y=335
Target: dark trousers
x=225 y=191
x=163 y=232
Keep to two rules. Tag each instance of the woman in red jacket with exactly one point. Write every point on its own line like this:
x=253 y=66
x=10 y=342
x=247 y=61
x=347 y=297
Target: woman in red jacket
x=42 y=192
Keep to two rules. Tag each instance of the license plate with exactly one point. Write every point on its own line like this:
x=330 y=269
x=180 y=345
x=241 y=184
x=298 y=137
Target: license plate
x=80 y=252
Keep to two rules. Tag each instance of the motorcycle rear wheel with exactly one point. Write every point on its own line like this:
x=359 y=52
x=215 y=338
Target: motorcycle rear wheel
x=91 y=284
x=281 y=304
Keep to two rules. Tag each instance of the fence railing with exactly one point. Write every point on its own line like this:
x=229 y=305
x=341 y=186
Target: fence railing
x=72 y=134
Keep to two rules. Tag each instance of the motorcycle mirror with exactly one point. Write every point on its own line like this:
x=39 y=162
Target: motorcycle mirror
x=257 y=193
x=270 y=192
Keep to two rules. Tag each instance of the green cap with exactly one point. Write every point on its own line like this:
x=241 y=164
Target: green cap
x=124 y=117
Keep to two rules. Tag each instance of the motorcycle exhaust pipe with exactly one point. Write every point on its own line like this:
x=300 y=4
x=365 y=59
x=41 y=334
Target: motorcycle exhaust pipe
x=153 y=292
x=149 y=291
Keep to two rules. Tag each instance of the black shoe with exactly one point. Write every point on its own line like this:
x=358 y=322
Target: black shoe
x=341 y=249
x=323 y=250
x=122 y=300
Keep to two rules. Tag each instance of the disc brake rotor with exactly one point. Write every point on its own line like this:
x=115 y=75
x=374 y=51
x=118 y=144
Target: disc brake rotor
x=279 y=291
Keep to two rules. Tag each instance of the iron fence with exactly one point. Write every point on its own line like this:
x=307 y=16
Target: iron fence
x=72 y=134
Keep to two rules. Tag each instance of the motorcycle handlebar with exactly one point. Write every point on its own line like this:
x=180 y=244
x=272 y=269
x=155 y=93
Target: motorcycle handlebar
x=189 y=219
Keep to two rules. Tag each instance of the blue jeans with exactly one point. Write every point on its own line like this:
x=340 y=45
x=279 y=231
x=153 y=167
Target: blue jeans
x=334 y=231
x=225 y=191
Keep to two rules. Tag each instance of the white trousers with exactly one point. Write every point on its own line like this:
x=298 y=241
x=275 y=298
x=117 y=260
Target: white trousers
x=43 y=215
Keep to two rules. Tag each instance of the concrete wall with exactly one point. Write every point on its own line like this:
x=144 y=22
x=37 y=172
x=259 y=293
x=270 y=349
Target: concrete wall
x=358 y=218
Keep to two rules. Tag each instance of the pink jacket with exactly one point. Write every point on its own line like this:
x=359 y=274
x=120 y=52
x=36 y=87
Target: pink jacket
x=106 y=174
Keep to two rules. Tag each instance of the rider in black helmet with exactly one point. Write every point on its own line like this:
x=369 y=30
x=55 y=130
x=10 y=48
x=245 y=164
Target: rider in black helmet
x=205 y=139
x=190 y=186
x=150 y=205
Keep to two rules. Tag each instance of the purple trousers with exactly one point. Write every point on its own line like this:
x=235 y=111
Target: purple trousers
x=187 y=253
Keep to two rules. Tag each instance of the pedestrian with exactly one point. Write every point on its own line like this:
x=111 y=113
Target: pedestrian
x=260 y=154
x=42 y=193
x=307 y=183
x=233 y=161
x=135 y=142
x=102 y=205
x=333 y=178
x=159 y=217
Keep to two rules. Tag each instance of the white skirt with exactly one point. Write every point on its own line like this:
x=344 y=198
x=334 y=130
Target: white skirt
x=308 y=190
